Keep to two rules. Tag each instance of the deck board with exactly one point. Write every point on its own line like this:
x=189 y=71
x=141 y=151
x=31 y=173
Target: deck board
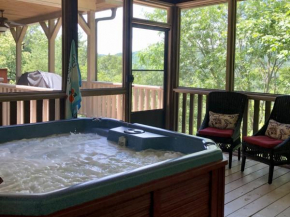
x=262 y=202
x=275 y=208
x=249 y=194
x=238 y=168
x=285 y=213
x=247 y=171
x=246 y=179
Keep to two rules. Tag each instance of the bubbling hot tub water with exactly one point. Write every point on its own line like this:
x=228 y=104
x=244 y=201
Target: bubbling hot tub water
x=51 y=163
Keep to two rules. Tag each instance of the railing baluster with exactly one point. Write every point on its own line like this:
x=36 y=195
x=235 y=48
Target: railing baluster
x=6 y=113
x=45 y=110
x=13 y=113
x=135 y=96
x=154 y=99
x=191 y=112
x=1 y=114
x=51 y=114
x=245 y=120
x=99 y=106
x=161 y=98
x=141 y=99
x=256 y=115
x=19 y=112
x=108 y=99
x=103 y=106
x=267 y=110
x=119 y=107
x=159 y=101
x=61 y=109
x=183 y=112
x=57 y=109
x=39 y=110
x=33 y=111
x=147 y=98
x=176 y=112
x=26 y=111
x=199 y=111
x=113 y=97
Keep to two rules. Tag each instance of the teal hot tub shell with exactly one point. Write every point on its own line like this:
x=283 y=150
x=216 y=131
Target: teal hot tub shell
x=199 y=151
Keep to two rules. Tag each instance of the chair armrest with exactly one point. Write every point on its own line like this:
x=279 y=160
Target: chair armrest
x=237 y=130
x=204 y=123
x=285 y=145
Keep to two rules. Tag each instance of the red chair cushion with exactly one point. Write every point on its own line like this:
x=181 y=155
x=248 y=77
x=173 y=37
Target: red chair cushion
x=263 y=141
x=211 y=131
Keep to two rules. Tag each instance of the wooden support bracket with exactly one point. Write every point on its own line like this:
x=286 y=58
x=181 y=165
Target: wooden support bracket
x=84 y=24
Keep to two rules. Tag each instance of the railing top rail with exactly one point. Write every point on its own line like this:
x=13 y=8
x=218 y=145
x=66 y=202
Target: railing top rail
x=11 y=97
x=24 y=87
x=103 y=82
x=147 y=87
x=119 y=85
x=252 y=96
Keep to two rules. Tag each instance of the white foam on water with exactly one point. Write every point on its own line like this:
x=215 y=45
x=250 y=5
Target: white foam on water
x=46 y=164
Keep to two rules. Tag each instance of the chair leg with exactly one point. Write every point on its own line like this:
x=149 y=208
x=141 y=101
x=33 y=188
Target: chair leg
x=271 y=171
x=243 y=163
x=239 y=153
x=230 y=158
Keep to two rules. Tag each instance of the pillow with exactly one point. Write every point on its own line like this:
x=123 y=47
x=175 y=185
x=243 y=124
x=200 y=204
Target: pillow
x=277 y=130
x=222 y=121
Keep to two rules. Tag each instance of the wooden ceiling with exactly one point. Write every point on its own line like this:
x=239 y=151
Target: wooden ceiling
x=31 y=11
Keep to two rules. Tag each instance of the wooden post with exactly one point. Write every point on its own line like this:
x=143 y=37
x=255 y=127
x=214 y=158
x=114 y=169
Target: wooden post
x=69 y=33
x=18 y=34
x=173 y=98
x=127 y=55
x=91 y=56
x=51 y=32
x=231 y=44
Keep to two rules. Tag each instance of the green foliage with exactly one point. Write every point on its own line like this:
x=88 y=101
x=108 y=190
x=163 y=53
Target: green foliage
x=110 y=68
x=8 y=54
x=35 y=50
x=35 y=53
x=82 y=57
x=203 y=41
x=58 y=55
x=159 y=15
x=262 y=48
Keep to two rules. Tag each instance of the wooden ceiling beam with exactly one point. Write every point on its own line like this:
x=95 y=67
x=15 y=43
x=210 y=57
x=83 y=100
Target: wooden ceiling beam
x=37 y=19
x=83 y=5
x=108 y=4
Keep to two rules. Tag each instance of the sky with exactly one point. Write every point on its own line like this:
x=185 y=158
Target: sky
x=110 y=33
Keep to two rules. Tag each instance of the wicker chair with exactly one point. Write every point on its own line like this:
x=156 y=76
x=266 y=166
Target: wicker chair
x=225 y=103
x=270 y=151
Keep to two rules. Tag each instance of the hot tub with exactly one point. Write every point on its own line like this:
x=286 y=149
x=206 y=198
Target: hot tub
x=191 y=185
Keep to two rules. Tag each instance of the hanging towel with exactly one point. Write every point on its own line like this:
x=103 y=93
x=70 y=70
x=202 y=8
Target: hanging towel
x=74 y=82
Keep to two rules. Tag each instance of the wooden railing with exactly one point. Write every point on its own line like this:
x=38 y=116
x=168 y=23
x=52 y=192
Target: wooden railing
x=41 y=110
x=27 y=111
x=110 y=106
x=145 y=97
x=192 y=104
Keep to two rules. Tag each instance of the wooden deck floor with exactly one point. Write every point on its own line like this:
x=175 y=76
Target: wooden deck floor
x=249 y=194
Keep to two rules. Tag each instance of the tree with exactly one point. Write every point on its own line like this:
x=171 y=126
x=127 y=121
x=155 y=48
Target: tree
x=110 y=68
x=263 y=42
x=8 y=54
x=35 y=45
